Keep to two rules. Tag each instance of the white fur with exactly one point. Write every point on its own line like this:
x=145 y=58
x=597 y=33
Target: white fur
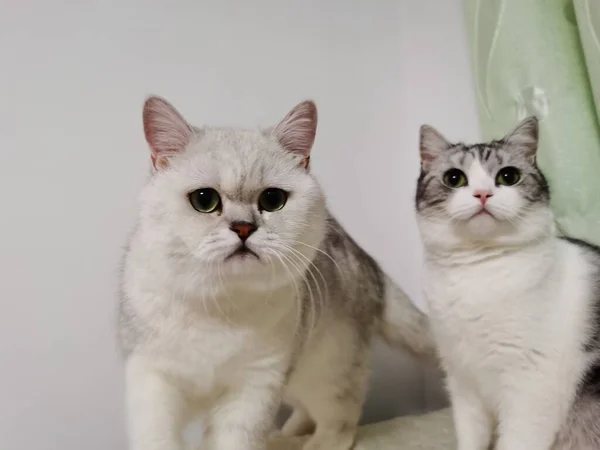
x=223 y=331
x=509 y=304
x=207 y=330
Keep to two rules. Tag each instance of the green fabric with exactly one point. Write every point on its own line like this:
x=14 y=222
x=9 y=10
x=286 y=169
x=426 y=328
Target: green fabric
x=588 y=23
x=528 y=60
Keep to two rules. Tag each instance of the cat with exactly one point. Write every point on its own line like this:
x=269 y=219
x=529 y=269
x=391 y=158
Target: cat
x=240 y=290
x=514 y=307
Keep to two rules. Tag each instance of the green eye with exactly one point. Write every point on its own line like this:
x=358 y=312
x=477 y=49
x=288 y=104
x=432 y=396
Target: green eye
x=272 y=199
x=205 y=200
x=508 y=176
x=455 y=178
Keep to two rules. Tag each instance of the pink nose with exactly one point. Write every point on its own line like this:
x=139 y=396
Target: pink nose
x=483 y=196
x=243 y=229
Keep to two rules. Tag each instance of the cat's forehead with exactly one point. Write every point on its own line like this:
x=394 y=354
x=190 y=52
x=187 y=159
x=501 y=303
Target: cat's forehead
x=224 y=140
x=240 y=163
x=490 y=156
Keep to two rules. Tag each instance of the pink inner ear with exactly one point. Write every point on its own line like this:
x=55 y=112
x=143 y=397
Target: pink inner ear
x=426 y=158
x=296 y=132
x=166 y=131
x=431 y=144
x=525 y=136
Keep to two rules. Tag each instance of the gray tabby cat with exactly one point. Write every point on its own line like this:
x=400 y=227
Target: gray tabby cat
x=515 y=309
x=241 y=290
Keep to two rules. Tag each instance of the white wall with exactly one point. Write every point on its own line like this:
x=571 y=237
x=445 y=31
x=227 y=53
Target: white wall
x=72 y=80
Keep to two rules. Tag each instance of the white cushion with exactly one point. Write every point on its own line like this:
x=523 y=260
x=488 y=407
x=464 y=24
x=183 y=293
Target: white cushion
x=432 y=431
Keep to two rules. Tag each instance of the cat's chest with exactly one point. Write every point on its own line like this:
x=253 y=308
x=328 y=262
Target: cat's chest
x=200 y=342
x=207 y=352
x=484 y=312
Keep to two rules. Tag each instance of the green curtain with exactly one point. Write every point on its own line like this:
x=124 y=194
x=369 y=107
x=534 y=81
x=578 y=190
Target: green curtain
x=537 y=57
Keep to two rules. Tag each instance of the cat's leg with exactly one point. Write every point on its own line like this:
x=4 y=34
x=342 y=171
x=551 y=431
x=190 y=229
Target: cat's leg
x=156 y=409
x=534 y=407
x=474 y=426
x=298 y=424
x=332 y=384
x=336 y=420
x=243 y=416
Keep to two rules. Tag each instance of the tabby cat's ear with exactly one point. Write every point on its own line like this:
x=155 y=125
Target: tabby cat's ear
x=524 y=138
x=296 y=132
x=431 y=144
x=166 y=131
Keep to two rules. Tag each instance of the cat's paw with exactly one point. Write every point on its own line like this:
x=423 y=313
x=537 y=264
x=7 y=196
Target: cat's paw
x=331 y=441
x=275 y=434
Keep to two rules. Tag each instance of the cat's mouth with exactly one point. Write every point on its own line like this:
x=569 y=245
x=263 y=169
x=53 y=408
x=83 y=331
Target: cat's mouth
x=242 y=252
x=483 y=212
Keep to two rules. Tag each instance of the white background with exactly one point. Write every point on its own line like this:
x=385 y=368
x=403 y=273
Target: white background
x=73 y=76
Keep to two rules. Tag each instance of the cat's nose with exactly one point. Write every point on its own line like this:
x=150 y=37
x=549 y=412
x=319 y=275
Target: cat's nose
x=243 y=229
x=483 y=196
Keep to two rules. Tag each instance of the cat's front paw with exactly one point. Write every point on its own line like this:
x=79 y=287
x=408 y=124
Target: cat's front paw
x=275 y=434
x=331 y=441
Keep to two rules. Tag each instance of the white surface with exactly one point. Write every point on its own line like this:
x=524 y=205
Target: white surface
x=432 y=431
x=73 y=79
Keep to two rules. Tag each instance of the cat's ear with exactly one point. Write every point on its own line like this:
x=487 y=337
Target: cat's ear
x=525 y=137
x=296 y=132
x=431 y=144
x=166 y=131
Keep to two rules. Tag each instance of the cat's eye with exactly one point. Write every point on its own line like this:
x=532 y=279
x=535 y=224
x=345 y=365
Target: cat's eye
x=272 y=199
x=205 y=200
x=508 y=176
x=455 y=178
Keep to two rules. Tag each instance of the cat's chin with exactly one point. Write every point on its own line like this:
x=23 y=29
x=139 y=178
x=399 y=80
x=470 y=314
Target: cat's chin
x=494 y=230
x=243 y=264
x=241 y=254
x=483 y=228
x=482 y=224
x=253 y=279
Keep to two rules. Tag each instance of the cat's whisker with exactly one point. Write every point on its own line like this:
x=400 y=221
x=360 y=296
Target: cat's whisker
x=309 y=266
x=313 y=309
x=222 y=284
x=268 y=260
x=316 y=306
x=298 y=299
x=323 y=253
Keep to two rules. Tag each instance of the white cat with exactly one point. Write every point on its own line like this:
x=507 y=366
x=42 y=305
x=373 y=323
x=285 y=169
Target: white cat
x=514 y=308
x=240 y=290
